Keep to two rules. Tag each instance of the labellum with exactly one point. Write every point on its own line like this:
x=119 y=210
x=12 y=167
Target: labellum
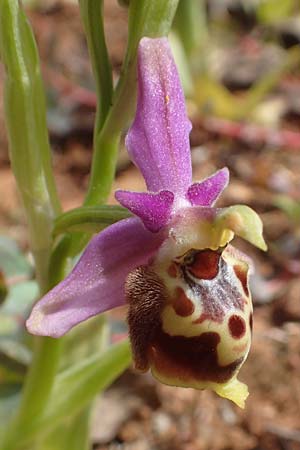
x=190 y=319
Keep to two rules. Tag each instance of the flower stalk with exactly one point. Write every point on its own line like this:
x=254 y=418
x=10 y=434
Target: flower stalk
x=31 y=162
x=27 y=132
x=151 y=18
x=190 y=23
x=92 y=18
x=25 y=114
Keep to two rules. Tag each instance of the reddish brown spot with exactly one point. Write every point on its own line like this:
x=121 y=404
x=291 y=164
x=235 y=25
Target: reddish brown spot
x=237 y=326
x=241 y=272
x=182 y=304
x=190 y=359
x=205 y=265
x=172 y=270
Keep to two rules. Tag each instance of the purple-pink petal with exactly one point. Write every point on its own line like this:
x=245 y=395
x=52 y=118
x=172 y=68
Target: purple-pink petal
x=96 y=284
x=158 y=141
x=208 y=191
x=153 y=209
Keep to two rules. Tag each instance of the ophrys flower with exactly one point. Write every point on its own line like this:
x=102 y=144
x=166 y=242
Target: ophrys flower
x=190 y=307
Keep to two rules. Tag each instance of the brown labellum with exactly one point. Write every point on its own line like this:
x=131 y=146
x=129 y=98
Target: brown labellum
x=189 y=318
x=146 y=295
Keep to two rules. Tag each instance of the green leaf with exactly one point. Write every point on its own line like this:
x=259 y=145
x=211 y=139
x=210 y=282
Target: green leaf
x=76 y=387
x=14 y=311
x=12 y=262
x=15 y=356
x=90 y=219
x=72 y=434
x=82 y=341
x=25 y=114
x=182 y=64
x=20 y=298
x=85 y=339
x=190 y=23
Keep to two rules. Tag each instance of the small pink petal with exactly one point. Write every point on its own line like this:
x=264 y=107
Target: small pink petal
x=158 y=141
x=208 y=191
x=96 y=284
x=153 y=209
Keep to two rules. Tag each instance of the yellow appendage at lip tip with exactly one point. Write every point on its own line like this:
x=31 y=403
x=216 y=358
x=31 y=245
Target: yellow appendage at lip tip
x=196 y=337
x=233 y=390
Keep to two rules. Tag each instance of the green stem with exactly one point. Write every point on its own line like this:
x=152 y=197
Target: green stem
x=146 y=18
x=103 y=167
x=26 y=124
x=39 y=381
x=191 y=24
x=151 y=18
x=25 y=115
x=105 y=146
x=77 y=386
x=90 y=219
x=36 y=391
x=92 y=17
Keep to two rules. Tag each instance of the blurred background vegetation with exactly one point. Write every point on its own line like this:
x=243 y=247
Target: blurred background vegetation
x=239 y=62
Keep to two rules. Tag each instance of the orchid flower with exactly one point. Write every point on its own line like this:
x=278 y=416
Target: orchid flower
x=190 y=310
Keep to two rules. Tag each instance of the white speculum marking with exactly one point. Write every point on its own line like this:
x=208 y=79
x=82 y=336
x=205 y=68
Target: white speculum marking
x=226 y=299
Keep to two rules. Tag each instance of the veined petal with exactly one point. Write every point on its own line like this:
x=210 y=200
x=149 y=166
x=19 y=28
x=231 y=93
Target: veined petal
x=208 y=191
x=153 y=209
x=96 y=284
x=158 y=141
